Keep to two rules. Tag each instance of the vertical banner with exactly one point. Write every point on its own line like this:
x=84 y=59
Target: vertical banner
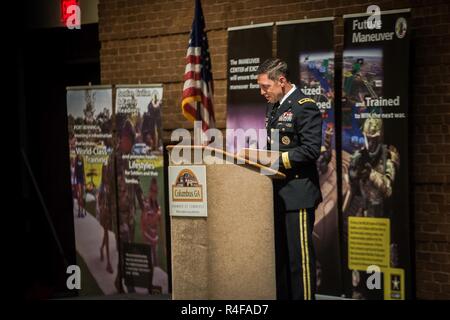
x=307 y=47
x=140 y=187
x=89 y=112
x=377 y=262
x=248 y=47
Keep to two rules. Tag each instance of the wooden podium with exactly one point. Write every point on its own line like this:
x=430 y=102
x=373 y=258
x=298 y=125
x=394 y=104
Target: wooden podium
x=230 y=254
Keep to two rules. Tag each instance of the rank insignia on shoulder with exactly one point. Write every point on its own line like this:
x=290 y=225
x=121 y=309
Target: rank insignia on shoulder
x=305 y=100
x=285 y=140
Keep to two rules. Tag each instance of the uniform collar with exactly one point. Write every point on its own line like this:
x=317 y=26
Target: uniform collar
x=277 y=111
x=288 y=94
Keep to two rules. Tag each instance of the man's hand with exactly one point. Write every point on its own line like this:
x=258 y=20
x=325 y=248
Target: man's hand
x=365 y=171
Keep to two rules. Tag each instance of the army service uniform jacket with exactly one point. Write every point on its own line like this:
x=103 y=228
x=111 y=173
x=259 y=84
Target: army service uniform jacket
x=299 y=122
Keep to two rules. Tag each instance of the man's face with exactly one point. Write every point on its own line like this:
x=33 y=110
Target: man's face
x=271 y=90
x=373 y=143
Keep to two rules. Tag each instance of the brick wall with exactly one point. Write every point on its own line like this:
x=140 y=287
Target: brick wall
x=146 y=41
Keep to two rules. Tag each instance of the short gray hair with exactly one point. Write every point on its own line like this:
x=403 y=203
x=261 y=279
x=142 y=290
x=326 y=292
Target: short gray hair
x=274 y=68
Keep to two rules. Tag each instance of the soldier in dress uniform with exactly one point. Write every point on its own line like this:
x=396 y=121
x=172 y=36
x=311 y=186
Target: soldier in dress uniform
x=298 y=121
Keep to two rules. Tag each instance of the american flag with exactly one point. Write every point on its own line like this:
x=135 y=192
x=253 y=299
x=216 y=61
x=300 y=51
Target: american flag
x=197 y=104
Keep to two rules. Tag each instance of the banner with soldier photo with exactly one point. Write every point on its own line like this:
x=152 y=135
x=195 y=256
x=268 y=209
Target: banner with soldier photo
x=89 y=112
x=248 y=47
x=375 y=104
x=307 y=47
x=140 y=190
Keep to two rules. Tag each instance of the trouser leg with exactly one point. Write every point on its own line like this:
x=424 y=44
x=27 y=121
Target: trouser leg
x=281 y=257
x=302 y=267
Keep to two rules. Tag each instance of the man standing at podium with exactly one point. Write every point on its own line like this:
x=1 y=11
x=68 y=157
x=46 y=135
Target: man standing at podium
x=299 y=124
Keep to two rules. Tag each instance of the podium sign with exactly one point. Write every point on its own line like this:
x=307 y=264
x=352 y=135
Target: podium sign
x=187 y=191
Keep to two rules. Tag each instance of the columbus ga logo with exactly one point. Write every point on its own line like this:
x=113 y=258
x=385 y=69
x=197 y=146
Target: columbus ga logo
x=187 y=187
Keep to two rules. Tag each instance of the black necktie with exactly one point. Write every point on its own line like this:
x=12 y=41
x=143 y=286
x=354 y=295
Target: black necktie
x=274 y=109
